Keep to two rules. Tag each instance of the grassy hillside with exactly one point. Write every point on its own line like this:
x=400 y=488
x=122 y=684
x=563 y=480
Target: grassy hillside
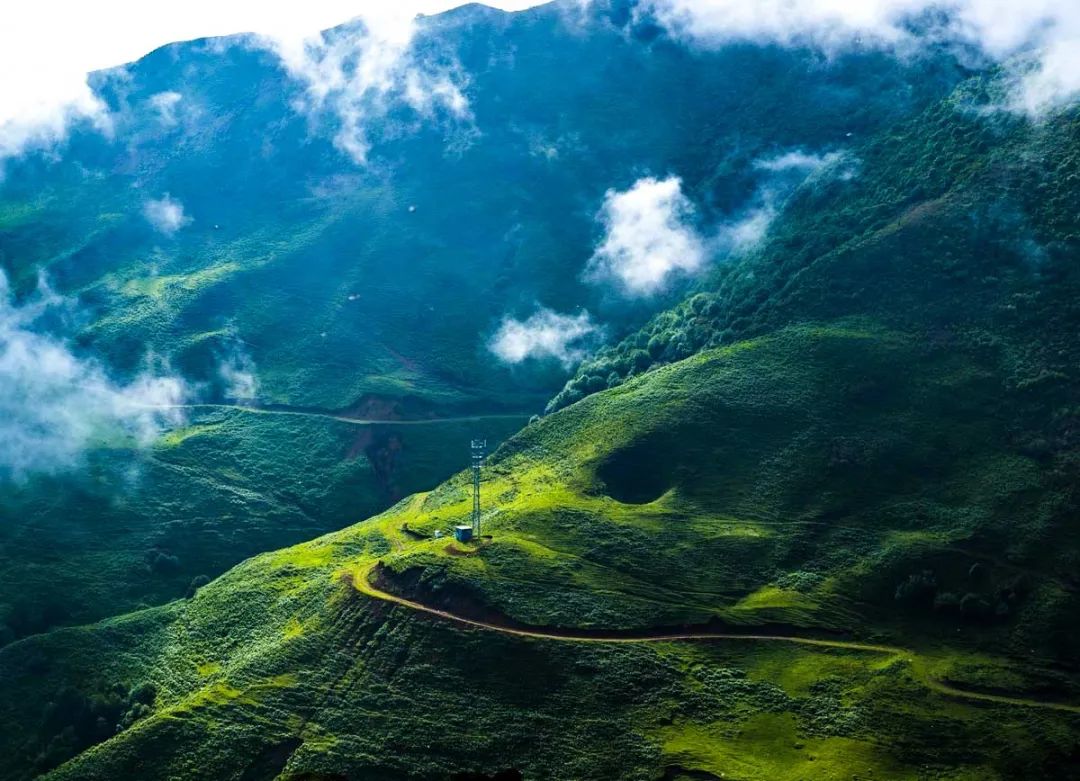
x=370 y=289
x=816 y=521
x=842 y=483
x=802 y=478
x=137 y=527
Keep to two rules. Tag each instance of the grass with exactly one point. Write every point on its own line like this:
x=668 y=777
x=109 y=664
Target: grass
x=138 y=526
x=177 y=437
x=769 y=747
x=285 y=650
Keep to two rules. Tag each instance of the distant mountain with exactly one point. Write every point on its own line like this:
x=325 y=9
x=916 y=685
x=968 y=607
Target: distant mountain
x=347 y=280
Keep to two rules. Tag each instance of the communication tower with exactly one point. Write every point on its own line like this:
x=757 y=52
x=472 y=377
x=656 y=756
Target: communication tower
x=479 y=448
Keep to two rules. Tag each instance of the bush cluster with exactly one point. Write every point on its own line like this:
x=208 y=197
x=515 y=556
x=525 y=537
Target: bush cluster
x=74 y=720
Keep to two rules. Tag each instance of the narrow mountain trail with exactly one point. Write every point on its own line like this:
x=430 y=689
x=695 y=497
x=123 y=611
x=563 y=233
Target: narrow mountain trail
x=345 y=418
x=919 y=666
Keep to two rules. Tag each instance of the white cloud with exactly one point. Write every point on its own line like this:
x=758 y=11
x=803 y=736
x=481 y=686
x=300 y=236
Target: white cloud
x=544 y=335
x=165 y=103
x=746 y=232
x=46 y=61
x=797 y=166
x=55 y=405
x=648 y=237
x=166 y=214
x=784 y=173
x=1001 y=29
x=360 y=72
x=799 y=160
x=42 y=120
x=237 y=371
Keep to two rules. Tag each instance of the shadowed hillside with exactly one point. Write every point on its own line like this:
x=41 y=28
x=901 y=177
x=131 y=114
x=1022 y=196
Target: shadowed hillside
x=961 y=224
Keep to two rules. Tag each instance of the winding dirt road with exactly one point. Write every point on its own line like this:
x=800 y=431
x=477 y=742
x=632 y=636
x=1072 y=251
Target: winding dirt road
x=363 y=584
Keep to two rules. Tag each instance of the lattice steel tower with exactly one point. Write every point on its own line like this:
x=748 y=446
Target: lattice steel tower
x=479 y=446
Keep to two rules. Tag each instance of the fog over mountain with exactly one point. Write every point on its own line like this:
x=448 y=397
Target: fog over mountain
x=600 y=389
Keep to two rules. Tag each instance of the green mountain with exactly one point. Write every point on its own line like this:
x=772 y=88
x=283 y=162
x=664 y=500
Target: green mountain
x=961 y=224
x=734 y=566
x=361 y=291
x=815 y=519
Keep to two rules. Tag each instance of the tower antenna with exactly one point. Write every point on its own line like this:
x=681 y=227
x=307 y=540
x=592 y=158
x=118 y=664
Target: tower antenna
x=479 y=447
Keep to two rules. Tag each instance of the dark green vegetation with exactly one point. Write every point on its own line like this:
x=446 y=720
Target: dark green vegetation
x=136 y=528
x=865 y=433
x=962 y=224
x=371 y=289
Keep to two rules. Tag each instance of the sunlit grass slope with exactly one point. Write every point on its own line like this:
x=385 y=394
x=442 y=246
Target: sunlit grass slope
x=791 y=484
x=799 y=478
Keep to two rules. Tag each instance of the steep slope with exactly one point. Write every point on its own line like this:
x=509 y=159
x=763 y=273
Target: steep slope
x=340 y=279
x=820 y=493
x=365 y=289
x=961 y=224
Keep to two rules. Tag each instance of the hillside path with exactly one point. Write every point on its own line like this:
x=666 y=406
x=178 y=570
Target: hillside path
x=308 y=413
x=364 y=585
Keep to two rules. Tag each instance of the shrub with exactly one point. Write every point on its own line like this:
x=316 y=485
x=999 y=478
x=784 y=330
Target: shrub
x=947 y=602
x=803 y=582
x=144 y=693
x=974 y=608
x=196 y=583
x=161 y=562
x=134 y=713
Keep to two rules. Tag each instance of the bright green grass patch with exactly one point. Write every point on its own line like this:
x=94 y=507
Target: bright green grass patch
x=796 y=672
x=307 y=556
x=219 y=693
x=769 y=747
x=771 y=597
x=206 y=669
x=179 y=436
x=168 y=287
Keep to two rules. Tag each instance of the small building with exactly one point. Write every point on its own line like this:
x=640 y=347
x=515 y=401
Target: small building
x=463 y=533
